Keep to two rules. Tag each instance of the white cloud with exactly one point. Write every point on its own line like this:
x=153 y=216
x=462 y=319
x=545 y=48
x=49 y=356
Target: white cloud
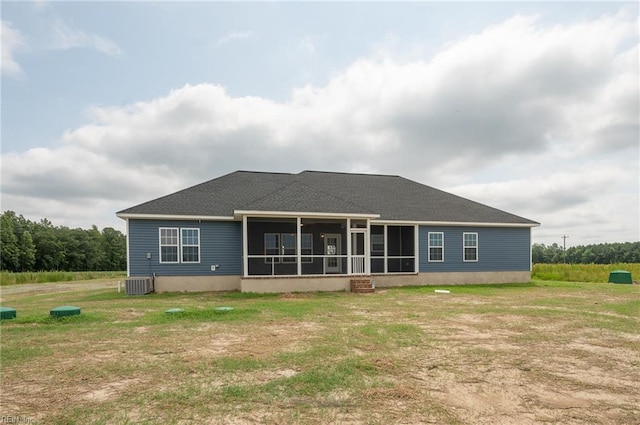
x=12 y=41
x=64 y=37
x=542 y=119
x=234 y=36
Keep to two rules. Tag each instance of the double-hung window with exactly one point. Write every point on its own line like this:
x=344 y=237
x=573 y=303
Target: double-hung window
x=179 y=245
x=436 y=246
x=169 y=246
x=190 y=239
x=470 y=246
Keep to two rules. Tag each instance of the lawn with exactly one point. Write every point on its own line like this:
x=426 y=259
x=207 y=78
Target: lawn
x=544 y=352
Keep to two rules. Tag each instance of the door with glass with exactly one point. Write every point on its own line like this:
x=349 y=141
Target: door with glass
x=332 y=251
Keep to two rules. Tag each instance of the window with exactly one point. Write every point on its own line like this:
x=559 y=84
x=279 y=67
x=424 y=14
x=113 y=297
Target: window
x=470 y=246
x=185 y=248
x=272 y=247
x=289 y=247
x=284 y=244
x=190 y=245
x=377 y=245
x=436 y=246
x=307 y=247
x=168 y=245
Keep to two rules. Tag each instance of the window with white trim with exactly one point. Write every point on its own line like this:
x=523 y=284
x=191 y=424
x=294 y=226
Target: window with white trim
x=190 y=240
x=272 y=247
x=169 y=245
x=470 y=246
x=179 y=245
x=436 y=246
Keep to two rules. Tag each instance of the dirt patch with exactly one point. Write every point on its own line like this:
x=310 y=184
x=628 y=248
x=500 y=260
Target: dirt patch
x=489 y=362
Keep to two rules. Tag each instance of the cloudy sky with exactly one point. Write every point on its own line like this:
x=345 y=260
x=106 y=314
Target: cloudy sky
x=529 y=107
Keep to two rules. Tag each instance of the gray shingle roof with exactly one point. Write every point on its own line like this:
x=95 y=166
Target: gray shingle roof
x=393 y=197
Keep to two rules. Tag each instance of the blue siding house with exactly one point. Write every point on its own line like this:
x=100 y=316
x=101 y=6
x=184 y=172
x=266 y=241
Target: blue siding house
x=313 y=231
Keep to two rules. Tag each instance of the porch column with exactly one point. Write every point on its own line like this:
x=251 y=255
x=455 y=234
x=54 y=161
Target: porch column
x=416 y=252
x=349 y=268
x=385 y=249
x=245 y=247
x=367 y=249
x=299 y=244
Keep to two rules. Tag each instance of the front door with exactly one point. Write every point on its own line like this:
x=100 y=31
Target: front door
x=332 y=251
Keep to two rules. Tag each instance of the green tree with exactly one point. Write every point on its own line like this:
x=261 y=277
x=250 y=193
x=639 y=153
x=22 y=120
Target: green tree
x=114 y=247
x=9 y=249
x=27 y=255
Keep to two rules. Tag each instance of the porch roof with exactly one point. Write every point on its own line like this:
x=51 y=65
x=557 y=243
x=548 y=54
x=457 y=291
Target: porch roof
x=384 y=196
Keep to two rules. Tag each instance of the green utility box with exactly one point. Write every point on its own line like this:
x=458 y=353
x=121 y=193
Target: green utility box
x=620 y=276
x=65 y=310
x=7 y=313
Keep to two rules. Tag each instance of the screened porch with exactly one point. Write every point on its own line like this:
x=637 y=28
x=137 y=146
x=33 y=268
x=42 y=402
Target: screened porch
x=301 y=246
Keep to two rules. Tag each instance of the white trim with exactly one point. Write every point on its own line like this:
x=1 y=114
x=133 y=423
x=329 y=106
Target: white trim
x=373 y=217
x=429 y=247
x=449 y=223
x=177 y=245
x=245 y=247
x=386 y=248
x=128 y=250
x=182 y=245
x=416 y=247
x=367 y=250
x=299 y=245
x=477 y=247
x=349 y=266
x=294 y=214
x=174 y=217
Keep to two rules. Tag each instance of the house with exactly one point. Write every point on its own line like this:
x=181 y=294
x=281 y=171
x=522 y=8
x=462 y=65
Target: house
x=318 y=231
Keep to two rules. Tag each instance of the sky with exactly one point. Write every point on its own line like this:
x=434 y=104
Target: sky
x=532 y=108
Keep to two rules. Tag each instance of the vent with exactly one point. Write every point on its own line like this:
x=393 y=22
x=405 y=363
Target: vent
x=138 y=285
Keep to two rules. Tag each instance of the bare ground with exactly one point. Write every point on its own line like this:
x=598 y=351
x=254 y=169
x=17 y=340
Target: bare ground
x=469 y=368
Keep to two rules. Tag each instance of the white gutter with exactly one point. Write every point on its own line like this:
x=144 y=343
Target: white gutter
x=174 y=217
x=293 y=214
x=453 y=223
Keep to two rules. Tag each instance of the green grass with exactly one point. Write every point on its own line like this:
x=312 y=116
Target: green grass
x=388 y=357
x=9 y=278
x=582 y=272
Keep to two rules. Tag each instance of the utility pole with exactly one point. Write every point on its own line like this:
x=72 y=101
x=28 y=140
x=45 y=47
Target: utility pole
x=564 y=246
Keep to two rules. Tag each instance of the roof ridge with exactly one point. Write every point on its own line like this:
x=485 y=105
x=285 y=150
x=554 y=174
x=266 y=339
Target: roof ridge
x=348 y=174
x=263 y=172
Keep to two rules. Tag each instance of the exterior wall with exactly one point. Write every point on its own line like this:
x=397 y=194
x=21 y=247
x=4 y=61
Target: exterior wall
x=504 y=255
x=220 y=243
x=283 y=284
x=499 y=249
x=450 y=278
x=197 y=283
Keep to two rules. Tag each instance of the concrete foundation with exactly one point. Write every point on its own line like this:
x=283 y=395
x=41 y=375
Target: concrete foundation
x=450 y=278
x=196 y=283
x=284 y=284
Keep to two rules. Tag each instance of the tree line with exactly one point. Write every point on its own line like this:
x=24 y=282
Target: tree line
x=28 y=246
x=604 y=253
